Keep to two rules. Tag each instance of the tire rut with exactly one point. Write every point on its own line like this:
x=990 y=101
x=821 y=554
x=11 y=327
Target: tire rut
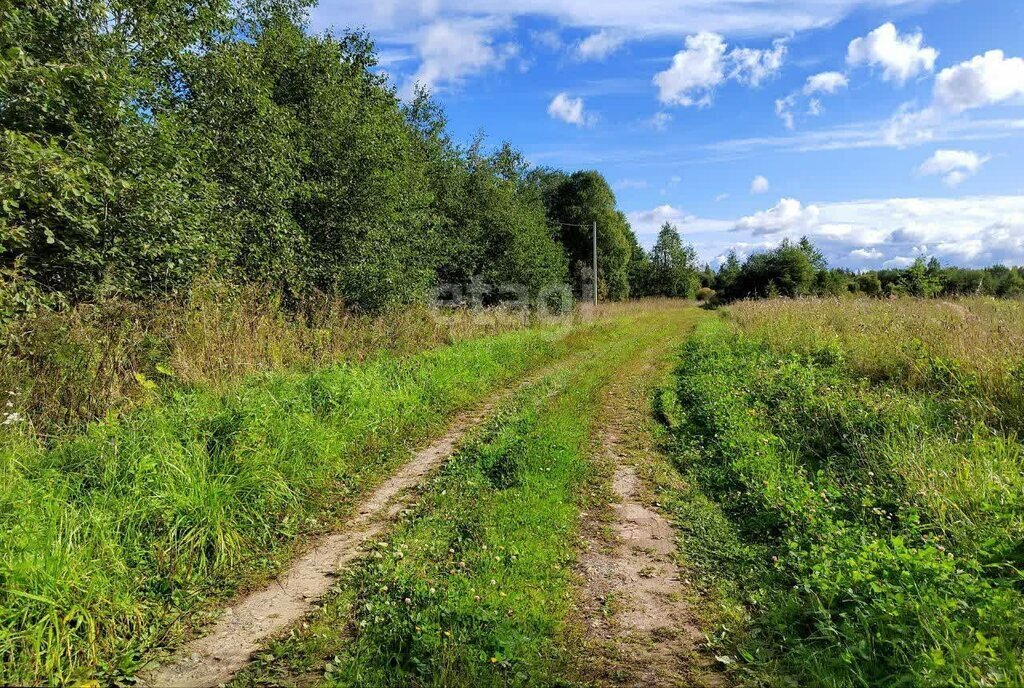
x=638 y=627
x=248 y=623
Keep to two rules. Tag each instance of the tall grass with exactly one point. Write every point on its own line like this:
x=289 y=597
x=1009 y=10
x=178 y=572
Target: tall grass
x=60 y=369
x=109 y=537
x=868 y=513
x=911 y=342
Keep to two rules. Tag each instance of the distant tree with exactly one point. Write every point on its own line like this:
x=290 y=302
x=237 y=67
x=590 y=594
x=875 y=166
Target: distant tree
x=869 y=284
x=728 y=276
x=921 y=279
x=788 y=270
x=674 y=270
x=639 y=270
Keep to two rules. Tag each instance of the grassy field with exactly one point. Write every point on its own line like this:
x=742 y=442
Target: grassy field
x=853 y=500
x=846 y=477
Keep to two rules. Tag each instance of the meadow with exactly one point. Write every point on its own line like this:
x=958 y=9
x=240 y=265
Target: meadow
x=853 y=493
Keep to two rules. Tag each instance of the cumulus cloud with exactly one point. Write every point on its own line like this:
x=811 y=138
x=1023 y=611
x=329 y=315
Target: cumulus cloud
x=954 y=166
x=901 y=57
x=570 y=110
x=971 y=231
x=751 y=66
x=451 y=51
x=788 y=215
x=646 y=224
x=825 y=82
x=706 y=62
x=598 y=46
x=759 y=185
x=986 y=79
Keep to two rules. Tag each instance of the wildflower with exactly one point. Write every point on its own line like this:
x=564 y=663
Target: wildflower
x=408 y=601
x=12 y=418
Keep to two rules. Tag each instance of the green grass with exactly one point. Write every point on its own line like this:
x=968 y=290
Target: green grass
x=475 y=586
x=109 y=540
x=850 y=532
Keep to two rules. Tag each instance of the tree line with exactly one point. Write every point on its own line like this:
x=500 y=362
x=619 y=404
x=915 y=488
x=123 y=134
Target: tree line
x=799 y=269
x=148 y=144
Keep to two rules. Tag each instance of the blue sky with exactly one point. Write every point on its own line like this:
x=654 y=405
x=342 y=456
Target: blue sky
x=883 y=129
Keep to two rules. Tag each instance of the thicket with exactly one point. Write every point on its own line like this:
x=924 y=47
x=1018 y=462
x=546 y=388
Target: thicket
x=869 y=533
x=145 y=145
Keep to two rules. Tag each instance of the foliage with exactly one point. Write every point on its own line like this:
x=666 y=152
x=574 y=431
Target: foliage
x=673 y=266
x=574 y=203
x=146 y=146
x=800 y=269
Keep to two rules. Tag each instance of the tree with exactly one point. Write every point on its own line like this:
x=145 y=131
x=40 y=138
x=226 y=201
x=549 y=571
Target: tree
x=788 y=270
x=728 y=276
x=574 y=203
x=673 y=266
x=922 y=279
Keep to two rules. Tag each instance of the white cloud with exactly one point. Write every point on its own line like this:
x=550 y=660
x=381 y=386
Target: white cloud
x=705 y=64
x=954 y=166
x=788 y=215
x=394 y=19
x=876 y=134
x=825 y=82
x=784 y=109
x=598 y=46
x=901 y=57
x=867 y=254
x=751 y=66
x=550 y=40
x=659 y=121
x=695 y=71
x=646 y=223
x=451 y=51
x=570 y=110
x=759 y=185
x=721 y=197
x=971 y=231
x=986 y=79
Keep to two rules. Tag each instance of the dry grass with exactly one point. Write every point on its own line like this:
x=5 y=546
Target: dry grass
x=889 y=339
x=61 y=369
